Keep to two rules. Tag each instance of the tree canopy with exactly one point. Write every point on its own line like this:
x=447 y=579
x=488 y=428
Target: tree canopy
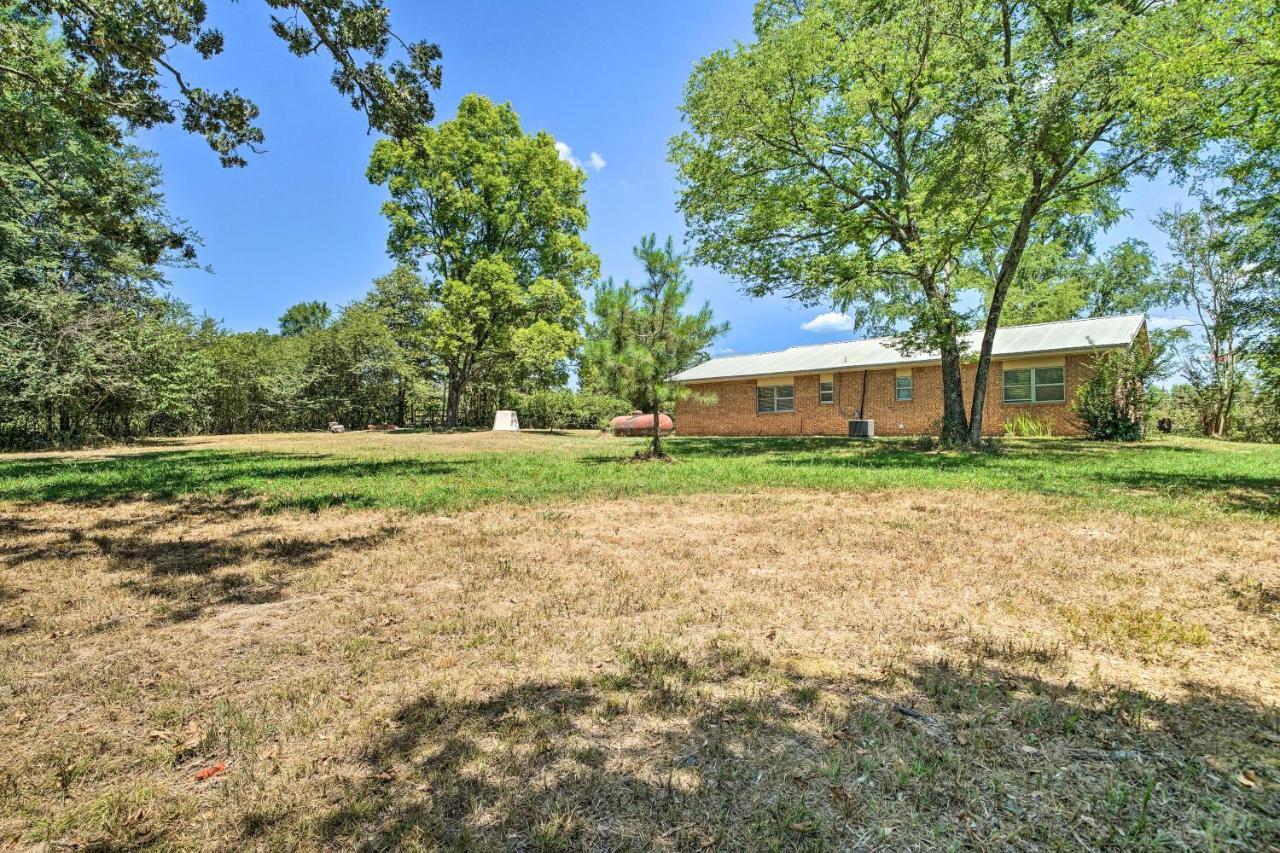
x=1211 y=274
x=895 y=159
x=123 y=58
x=305 y=317
x=493 y=220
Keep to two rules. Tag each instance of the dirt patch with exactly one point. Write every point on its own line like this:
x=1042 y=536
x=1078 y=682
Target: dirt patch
x=785 y=670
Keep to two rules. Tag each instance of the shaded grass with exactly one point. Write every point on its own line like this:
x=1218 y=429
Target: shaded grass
x=453 y=473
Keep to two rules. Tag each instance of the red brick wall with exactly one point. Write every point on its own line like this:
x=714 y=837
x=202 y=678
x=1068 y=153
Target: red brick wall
x=734 y=410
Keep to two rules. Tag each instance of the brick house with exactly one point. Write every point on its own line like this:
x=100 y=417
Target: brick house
x=818 y=389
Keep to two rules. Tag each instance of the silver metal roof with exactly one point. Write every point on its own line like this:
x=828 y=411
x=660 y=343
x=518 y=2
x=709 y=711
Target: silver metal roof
x=1064 y=336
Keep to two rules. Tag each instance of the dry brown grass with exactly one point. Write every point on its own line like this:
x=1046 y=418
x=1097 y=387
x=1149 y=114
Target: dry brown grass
x=372 y=442
x=785 y=670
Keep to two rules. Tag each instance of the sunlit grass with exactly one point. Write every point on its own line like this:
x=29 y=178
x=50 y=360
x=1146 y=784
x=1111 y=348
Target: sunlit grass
x=434 y=473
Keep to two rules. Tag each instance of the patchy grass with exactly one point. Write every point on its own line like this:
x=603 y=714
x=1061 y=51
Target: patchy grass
x=1147 y=631
x=451 y=473
x=756 y=670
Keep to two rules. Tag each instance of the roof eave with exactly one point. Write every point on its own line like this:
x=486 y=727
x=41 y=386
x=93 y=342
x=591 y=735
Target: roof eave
x=733 y=377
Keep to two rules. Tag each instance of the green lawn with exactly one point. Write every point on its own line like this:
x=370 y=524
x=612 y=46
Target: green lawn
x=447 y=473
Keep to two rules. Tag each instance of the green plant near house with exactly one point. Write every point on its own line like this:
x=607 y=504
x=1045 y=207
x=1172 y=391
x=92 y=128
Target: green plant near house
x=1024 y=425
x=1112 y=403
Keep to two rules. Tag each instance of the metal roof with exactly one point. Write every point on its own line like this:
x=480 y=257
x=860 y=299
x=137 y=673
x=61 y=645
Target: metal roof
x=1063 y=336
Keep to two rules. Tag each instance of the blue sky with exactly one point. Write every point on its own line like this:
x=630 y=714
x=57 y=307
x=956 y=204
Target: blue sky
x=301 y=221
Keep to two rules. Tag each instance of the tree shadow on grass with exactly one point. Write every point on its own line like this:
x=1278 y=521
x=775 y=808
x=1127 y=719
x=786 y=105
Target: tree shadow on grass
x=1255 y=493
x=1049 y=467
x=545 y=765
x=906 y=447
x=188 y=572
x=169 y=474
x=697 y=757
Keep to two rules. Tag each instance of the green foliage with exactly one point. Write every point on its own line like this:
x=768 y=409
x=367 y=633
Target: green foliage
x=897 y=158
x=305 y=317
x=258 y=383
x=88 y=343
x=560 y=408
x=90 y=346
x=77 y=211
x=1024 y=425
x=1245 y=165
x=640 y=337
x=1213 y=275
x=1055 y=283
x=1266 y=400
x=494 y=220
x=354 y=371
x=1254 y=417
x=1112 y=403
x=121 y=70
x=70 y=371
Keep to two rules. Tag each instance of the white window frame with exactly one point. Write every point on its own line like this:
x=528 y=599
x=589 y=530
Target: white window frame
x=772 y=396
x=897 y=388
x=826 y=391
x=1034 y=384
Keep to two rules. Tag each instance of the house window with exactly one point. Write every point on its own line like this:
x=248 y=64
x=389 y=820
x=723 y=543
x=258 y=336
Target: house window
x=775 y=398
x=902 y=389
x=826 y=391
x=1035 y=385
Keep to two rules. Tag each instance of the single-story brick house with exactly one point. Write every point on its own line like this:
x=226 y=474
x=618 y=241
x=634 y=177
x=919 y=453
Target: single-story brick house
x=818 y=389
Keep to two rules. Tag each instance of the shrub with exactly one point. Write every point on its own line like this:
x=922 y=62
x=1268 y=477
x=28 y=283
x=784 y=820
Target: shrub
x=565 y=409
x=1111 y=404
x=1026 y=426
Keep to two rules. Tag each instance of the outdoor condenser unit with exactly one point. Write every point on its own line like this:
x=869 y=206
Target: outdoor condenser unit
x=862 y=429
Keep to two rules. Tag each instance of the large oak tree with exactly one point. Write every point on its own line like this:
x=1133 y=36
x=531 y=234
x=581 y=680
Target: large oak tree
x=493 y=219
x=899 y=158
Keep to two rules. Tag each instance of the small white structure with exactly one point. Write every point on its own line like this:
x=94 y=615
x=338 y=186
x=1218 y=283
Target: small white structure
x=506 y=421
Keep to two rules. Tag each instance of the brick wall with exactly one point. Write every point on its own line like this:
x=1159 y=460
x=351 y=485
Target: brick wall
x=734 y=409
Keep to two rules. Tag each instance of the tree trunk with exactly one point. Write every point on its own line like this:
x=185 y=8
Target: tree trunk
x=955 y=429
x=451 y=408
x=1004 y=278
x=657 y=431
x=455 y=384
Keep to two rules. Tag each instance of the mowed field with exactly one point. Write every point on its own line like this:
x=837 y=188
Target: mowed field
x=524 y=641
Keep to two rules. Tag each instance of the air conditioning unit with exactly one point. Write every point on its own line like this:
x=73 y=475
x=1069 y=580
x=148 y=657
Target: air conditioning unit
x=862 y=429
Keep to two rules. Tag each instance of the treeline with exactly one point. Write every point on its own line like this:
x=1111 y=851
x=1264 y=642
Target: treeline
x=102 y=373
x=1253 y=416
x=484 y=306
x=485 y=228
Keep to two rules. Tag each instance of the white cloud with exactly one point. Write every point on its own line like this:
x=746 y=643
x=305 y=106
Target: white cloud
x=1163 y=323
x=565 y=152
x=832 y=321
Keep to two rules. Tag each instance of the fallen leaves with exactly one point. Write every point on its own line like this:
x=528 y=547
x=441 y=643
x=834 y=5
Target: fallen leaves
x=1249 y=779
x=192 y=736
